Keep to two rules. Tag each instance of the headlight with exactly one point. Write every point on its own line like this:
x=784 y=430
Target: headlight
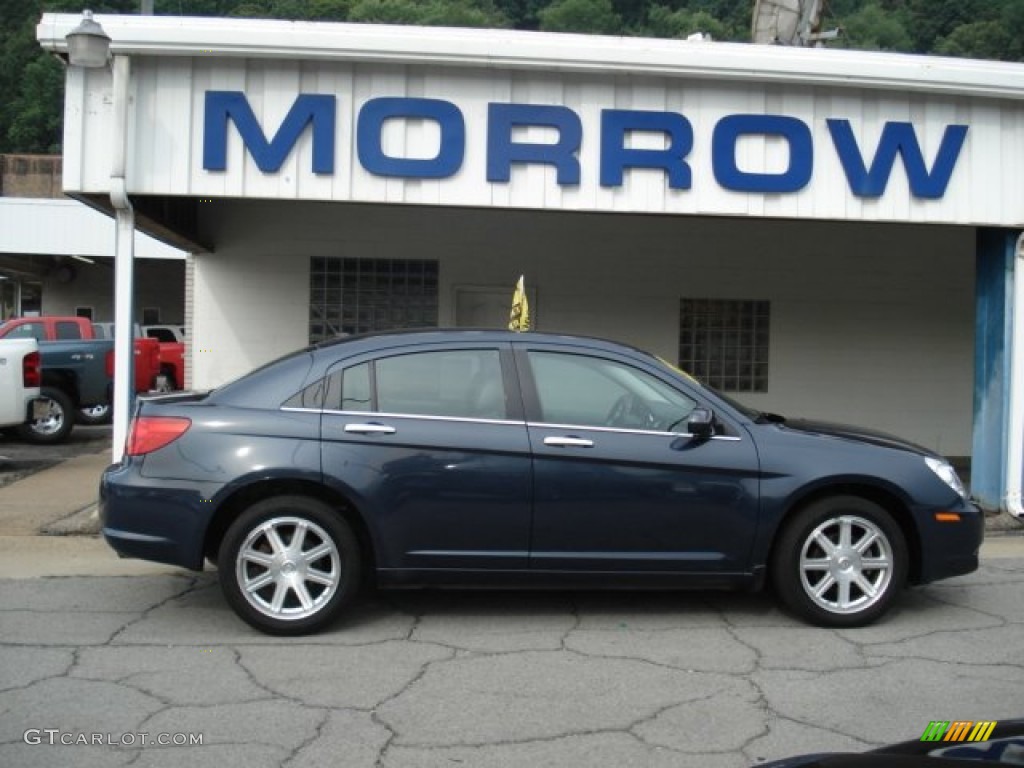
x=946 y=473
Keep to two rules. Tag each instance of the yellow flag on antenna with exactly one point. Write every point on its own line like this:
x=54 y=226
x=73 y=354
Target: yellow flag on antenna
x=519 y=318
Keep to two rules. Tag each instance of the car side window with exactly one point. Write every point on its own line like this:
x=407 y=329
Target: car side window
x=355 y=393
x=28 y=331
x=161 y=334
x=460 y=383
x=457 y=383
x=66 y=330
x=315 y=395
x=597 y=392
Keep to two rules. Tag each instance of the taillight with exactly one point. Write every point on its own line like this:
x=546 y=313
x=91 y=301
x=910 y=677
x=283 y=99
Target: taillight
x=151 y=433
x=110 y=363
x=31 y=374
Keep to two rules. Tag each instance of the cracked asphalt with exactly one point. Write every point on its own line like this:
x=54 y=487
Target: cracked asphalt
x=489 y=679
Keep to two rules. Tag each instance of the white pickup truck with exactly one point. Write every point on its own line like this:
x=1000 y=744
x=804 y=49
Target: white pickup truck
x=20 y=376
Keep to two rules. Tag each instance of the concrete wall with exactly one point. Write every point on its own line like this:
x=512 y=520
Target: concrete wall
x=870 y=323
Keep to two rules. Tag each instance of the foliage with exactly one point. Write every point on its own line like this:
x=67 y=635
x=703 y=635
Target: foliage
x=447 y=13
x=32 y=80
x=592 y=16
x=662 y=21
x=872 y=28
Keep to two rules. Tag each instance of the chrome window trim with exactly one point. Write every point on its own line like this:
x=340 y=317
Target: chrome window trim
x=620 y=430
x=385 y=415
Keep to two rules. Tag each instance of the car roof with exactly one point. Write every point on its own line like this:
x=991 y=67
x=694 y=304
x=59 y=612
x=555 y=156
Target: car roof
x=384 y=339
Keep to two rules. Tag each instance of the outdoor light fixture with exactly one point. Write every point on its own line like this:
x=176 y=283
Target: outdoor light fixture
x=88 y=44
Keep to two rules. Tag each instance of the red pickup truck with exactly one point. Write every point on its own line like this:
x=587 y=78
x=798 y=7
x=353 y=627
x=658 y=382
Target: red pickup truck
x=74 y=374
x=172 y=350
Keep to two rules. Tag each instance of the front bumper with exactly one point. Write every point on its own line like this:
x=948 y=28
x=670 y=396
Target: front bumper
x=951 y=548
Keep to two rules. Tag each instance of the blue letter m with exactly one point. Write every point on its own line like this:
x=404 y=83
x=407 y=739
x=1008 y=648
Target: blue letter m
x=222 y=106
x=897 y=139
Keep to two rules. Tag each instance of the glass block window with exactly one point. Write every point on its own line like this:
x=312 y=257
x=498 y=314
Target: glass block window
x=724 y=342
x=348 y=296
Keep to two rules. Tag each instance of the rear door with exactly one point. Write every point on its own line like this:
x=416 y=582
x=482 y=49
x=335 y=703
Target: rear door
x=617 y=486
x=431 y=443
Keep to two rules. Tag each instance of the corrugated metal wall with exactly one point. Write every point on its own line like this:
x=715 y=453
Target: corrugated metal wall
x=166 y=141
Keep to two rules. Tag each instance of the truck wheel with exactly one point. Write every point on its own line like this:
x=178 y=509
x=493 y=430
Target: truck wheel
x=96 y=414
x=289 y=565
x=840 y=562
x=55 y=426
x=165 y=383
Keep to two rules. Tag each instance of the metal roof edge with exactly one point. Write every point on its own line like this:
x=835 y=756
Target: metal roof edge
x=545 y=51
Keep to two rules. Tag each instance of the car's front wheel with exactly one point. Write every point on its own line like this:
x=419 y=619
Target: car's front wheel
x=840 y=562
x=289 y=565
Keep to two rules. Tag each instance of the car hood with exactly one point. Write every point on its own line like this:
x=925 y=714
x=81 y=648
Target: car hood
x=858 y=434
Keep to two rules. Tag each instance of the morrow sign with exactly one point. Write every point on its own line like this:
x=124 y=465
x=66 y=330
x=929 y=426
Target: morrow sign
x=867 y=176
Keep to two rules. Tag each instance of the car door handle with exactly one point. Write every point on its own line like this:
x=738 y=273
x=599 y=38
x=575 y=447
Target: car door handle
x=369 y=429
x=568 y=442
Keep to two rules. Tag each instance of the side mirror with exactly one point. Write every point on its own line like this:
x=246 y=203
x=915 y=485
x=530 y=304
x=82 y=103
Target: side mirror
x=701 y=423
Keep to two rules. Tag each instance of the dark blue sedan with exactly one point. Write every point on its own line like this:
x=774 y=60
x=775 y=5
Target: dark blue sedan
x=487 y=458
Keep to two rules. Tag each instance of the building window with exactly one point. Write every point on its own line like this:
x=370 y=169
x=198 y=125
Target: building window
x=348 y=296
x=724 y=342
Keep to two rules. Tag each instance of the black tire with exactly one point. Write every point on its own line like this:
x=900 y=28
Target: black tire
x=55 y=427
x=841 y=583
x=165 y=382
x=95 y=415
x=287 y=572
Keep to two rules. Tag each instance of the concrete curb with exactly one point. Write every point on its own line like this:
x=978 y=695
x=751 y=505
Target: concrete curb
x=84 y=522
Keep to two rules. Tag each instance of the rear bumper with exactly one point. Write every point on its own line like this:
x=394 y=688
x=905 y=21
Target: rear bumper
x=173 y=528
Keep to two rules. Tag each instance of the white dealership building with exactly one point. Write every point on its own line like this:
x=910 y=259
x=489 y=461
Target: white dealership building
x=822 y=233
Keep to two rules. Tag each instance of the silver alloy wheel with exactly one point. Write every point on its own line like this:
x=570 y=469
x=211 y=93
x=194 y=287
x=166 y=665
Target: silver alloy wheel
x=846 y=564
x=52 y=423
x=288 y=568
x=97 y=412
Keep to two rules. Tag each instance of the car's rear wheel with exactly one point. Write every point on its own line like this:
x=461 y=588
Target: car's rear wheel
x=289 y=565
x=56 y=422
x=165 y=382
x=840 y=562
x=95 y=414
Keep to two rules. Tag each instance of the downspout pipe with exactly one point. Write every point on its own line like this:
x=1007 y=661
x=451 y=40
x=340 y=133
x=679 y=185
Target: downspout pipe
x=1012 y=501
x=124 y=260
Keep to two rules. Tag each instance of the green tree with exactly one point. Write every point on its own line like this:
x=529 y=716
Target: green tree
x=38 y=108
x=591 y=16
x=873 y=28
x=662 y=21
x=455 y=13
x=980 y=40
x=931 y=20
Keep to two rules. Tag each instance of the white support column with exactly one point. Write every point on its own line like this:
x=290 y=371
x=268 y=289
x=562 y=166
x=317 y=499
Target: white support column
x=1012 y=501
x=124 y=262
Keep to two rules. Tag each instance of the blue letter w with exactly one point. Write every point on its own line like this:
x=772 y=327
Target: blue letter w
x=897 y=139
x=222 y=106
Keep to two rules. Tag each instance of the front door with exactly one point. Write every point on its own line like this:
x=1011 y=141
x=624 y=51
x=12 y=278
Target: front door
x=617 y=486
